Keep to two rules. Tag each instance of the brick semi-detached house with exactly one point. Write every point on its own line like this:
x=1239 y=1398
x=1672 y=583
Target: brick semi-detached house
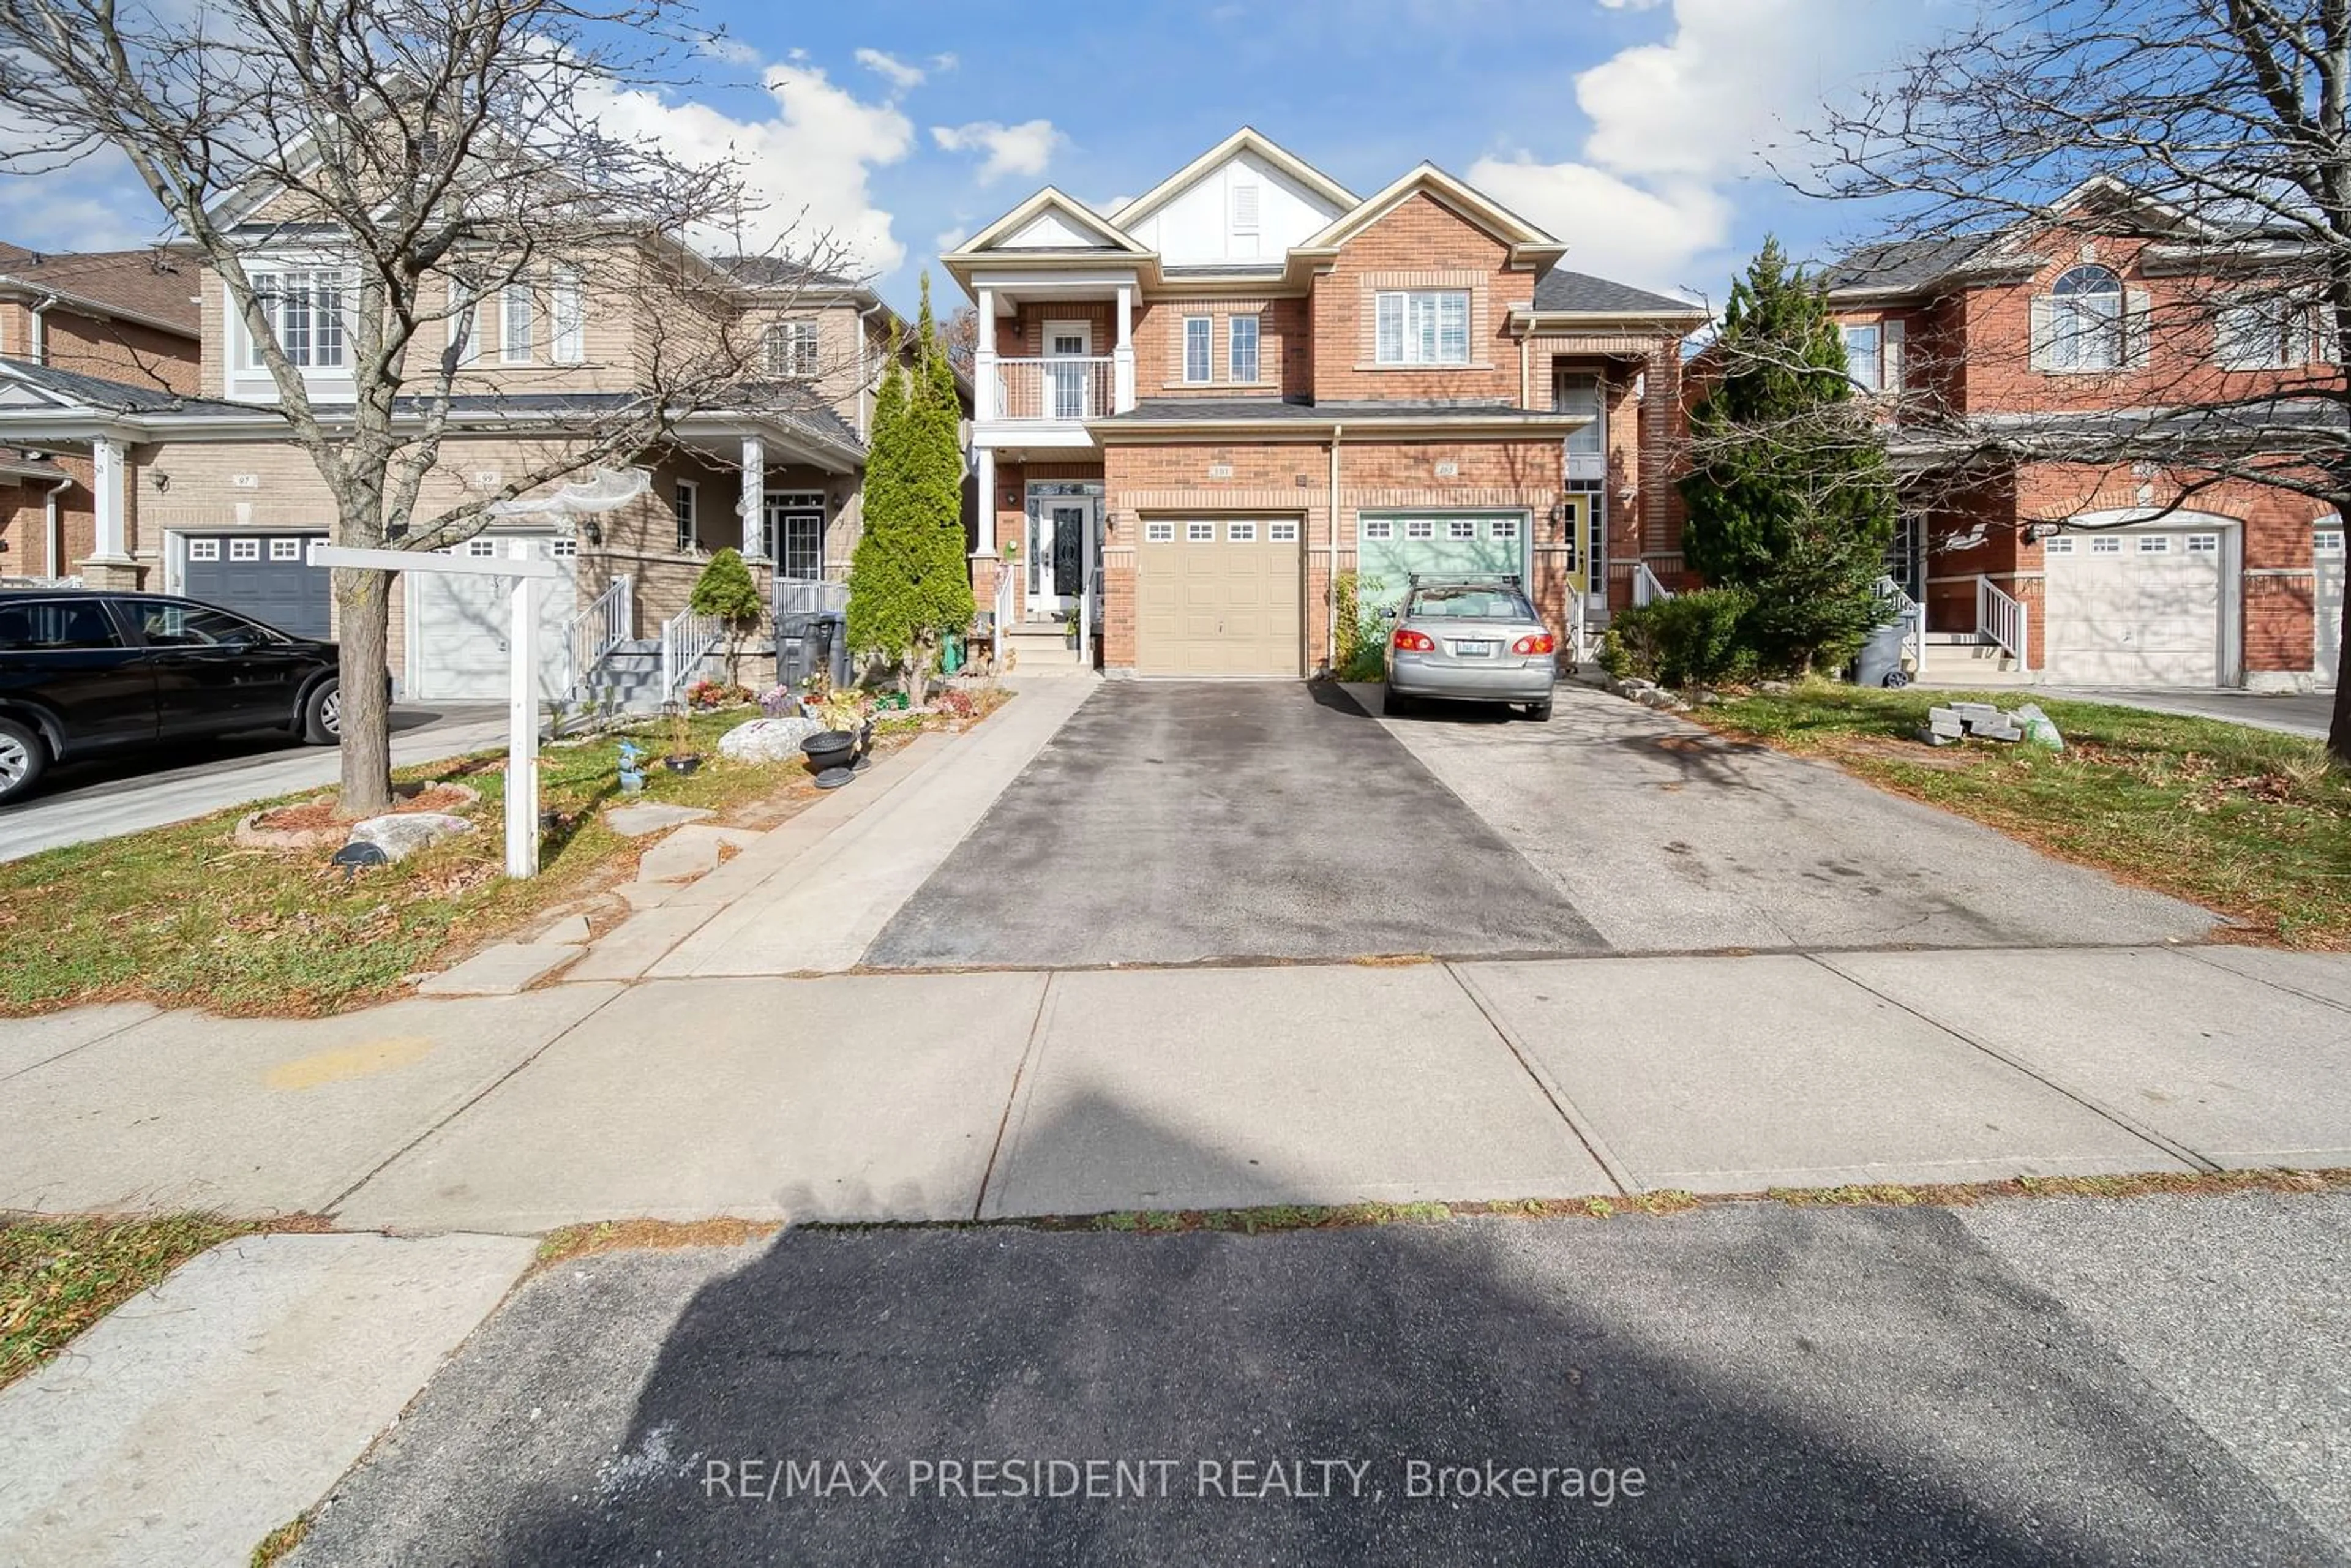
x=1195 y=414
x=186 y=481
x=127 y=317
x=1986 y=349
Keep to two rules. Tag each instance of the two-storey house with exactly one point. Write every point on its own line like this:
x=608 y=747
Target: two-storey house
x=1196 y=414
x=128 y=317
x=2031 y=378
x=196 y=488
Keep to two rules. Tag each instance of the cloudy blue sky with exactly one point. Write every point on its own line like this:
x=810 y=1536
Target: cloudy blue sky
x=1632 y=128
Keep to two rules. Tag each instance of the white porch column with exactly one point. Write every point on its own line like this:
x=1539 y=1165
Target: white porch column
x=985 y=405
x=753 y=507
x=112 y=508
x=1123 y=363
x=984 y=543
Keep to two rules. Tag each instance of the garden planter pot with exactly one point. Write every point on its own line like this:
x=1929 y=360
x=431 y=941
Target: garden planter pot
x=682 y=763
x=864 y=743
x=833 y=749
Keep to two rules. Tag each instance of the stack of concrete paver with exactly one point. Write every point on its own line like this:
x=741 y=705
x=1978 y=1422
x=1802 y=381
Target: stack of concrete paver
x=1984 y=721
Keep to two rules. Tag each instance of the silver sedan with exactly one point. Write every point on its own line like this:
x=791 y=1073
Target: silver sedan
x=1471 y=640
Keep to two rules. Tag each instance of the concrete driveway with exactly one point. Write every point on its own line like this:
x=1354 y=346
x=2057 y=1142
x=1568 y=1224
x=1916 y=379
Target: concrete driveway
x=128 y=794
x=1179 y=823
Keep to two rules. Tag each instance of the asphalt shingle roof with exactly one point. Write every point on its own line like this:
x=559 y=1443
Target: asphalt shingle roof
x=1559 y=290
x=154 y=283
x=1221 y=408
x=122 y=396
x=1904 y=264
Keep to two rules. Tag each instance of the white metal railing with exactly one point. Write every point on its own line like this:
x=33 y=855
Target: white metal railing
x=1901 y=607
x=610 y=620
x=809 y=596
x=1647 y=589
x=687 y=639
x=40 y=583
x=1064 y=390
x=2005 y=620
x=1586 y=464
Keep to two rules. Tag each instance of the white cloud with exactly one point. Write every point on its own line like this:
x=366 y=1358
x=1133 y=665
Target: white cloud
x=946 y=62
x=1024 y=149
x=733 y=51
x=808 y=164
x=891 y=68
x=1675 y=124
x=946 y=240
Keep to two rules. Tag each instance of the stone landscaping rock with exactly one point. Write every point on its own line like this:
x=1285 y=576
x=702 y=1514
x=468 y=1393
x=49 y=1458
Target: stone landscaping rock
x=767 y=740
x=1982 y=721
x=402 y=835
x=636 y=822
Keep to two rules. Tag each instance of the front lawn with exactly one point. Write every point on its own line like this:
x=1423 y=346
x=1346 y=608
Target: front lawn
x=2249 y=822
x=59 y=1275
x=184 y=917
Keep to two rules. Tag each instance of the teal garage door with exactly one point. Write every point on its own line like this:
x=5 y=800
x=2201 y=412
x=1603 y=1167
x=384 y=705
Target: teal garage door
x=1391 y=547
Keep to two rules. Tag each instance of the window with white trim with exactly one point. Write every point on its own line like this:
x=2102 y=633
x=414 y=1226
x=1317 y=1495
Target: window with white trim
x=2204 y=544
x=2105 y=544
x=1502 y=530
x=685 y=503
x=567 y=310
x=245 y=550
x=305 y=308
x=1420 y=527
x=1281 y=533
x=1376 y=529
x=203 y=549
x=285 y=549
x=481 y=547
x=1200 y=533
x=1199 y=350
x=1422 y=327
x=2263 y=334
x=2061 y=544
x=1864 y=363
x=1461 y=529
x=517 y=319
x=1240 y=349
x=2155 y=543
x=563 y=548
x=1241 y=533
x=2082 y=321
x=1158 y=533
x=466 y=311
x=2328 y=541
x=790 y=350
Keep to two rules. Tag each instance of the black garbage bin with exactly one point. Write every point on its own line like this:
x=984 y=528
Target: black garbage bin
x=829 y=644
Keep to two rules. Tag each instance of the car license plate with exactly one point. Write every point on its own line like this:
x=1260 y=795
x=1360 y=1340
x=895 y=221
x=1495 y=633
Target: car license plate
x=1473 y=650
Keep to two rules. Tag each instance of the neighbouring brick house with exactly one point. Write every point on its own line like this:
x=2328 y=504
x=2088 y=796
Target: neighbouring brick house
x=191 y=485
x=127 y=317
x=1195 y=414
x=2138 y=573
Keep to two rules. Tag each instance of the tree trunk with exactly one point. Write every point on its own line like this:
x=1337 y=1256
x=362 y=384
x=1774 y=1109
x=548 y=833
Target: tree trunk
x=2338 y=729
x=363 y=599
x=918 y=669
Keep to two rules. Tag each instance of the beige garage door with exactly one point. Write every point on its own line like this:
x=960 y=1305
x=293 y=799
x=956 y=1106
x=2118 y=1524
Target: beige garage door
x=1217 y=597
x=2134 y=609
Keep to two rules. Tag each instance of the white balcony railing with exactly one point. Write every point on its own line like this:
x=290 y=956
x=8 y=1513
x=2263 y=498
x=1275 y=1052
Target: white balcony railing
x=1062 y=391
x=2005 y=620
x=1587 y=465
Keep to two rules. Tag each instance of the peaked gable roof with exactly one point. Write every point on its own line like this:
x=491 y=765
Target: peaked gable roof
x=156 y=285
x=1526 y=241
x=1049 y=201
x=1248 y=138
x=1582 y=294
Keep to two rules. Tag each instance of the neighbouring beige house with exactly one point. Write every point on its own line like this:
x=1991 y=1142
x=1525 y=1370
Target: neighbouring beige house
x=195 y=487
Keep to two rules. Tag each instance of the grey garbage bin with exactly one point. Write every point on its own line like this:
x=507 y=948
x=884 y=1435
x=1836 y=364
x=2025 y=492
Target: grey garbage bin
x=829 y=634
x=1880 y=663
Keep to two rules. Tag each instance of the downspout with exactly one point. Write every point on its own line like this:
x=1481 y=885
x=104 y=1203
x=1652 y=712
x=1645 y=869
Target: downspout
x=1330 y=628
x=864 y=385
x=54 y=524
x=36 y=332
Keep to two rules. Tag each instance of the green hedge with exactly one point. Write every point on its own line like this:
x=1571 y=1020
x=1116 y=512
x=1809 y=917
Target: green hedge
x=1694 y=639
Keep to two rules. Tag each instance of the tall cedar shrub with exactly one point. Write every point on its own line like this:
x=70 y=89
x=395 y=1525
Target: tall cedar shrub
x=725 y=593
x=909 y=580
x=1792 y=501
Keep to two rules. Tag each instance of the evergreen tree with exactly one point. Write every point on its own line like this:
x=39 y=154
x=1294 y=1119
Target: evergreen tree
x=725 y=593
x=1791 y=498
x=909 y=578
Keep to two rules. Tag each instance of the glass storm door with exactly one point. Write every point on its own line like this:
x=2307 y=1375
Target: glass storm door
x=1057 y=544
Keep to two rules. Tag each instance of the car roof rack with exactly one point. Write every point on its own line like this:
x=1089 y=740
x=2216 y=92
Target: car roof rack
x=1412 y=578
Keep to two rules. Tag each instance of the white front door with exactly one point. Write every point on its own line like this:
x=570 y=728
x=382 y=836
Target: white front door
x=1065 y=385
x=1056 y=554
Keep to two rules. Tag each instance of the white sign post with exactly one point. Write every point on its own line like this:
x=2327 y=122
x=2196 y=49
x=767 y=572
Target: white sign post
x=522 y=705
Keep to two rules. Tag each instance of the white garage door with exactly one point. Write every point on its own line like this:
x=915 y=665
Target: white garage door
x=2330 y=604
x=458 y=627
x=2133 y=608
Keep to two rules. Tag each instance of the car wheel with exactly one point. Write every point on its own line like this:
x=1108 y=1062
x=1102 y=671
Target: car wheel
x=22 y=759
x=322 y=714
x=1895 y=680
x=1539 y=712
x=1394 y=703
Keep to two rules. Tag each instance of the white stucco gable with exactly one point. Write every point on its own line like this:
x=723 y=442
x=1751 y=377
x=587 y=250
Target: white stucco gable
x=1245 y=199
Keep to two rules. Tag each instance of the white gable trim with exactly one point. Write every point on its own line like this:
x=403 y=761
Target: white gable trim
x=1245 y=140
x=1071 y=212
x=1526 y=241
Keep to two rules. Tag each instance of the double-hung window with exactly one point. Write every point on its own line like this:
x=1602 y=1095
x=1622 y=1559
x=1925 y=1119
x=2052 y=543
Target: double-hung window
x=792 y=350
x=518 y=318
x=464 y=320
x=2263 y=334
x=1199 y=350
x=1864 y=363
x=304 y=310
x=2082 y=328
x=567 y=318
x=1240 y=349
x=1423 y=327
x=683 y=505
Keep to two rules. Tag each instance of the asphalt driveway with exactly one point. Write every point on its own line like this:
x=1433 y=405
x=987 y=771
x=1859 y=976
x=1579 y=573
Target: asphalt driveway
x=1176 y=822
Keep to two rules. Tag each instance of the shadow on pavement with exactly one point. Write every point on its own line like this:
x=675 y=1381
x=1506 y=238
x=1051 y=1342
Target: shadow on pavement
x=168 y=758
x=1824 y=1387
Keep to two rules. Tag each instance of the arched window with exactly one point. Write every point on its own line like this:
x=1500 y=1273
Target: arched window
x=2085 y=320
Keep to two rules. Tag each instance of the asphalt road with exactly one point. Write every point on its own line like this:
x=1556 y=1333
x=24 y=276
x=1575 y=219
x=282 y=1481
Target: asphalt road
x=2030 y=1382
x=112 y=796
x=1179 y=821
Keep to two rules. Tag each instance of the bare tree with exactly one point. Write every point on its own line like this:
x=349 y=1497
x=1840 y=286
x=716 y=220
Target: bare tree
x=427 y=156
x=2210 y=136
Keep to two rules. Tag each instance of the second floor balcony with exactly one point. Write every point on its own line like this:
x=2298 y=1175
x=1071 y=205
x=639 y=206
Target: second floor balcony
x=1064 y=390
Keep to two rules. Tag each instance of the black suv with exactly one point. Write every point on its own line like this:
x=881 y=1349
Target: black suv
x=82 y=673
